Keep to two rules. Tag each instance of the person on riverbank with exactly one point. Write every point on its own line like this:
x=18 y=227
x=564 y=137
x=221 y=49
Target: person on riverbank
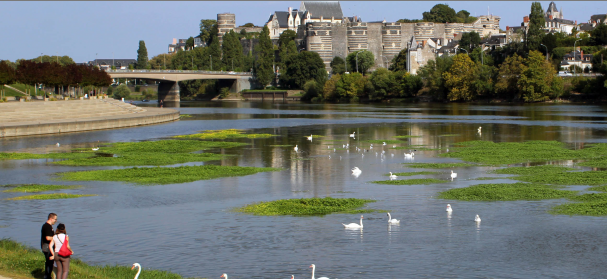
x=45 y=241
x=63 y=263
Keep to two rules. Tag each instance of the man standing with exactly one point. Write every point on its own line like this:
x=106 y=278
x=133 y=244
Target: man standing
x=45 y=240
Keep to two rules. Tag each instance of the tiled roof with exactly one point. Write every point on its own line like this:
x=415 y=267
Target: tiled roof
x=326 y=9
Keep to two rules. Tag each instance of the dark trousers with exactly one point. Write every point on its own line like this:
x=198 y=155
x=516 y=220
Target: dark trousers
x=48 y=265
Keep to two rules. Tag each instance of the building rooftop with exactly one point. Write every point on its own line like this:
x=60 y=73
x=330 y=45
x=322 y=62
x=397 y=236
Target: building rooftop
x=325 y=9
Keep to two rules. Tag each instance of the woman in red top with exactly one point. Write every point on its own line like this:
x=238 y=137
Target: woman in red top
x=63 y=263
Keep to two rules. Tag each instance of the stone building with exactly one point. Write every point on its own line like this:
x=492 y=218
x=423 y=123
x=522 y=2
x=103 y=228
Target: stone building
x=309 y=11
x=554 y=21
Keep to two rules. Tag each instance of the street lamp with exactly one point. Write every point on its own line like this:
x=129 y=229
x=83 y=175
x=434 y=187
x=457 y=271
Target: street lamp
x=357 y=60
x=547 y=51
x=574 y=69
x=464 y=50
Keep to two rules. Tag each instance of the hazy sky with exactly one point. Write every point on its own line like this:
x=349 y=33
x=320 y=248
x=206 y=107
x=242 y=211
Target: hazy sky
x=83 y=29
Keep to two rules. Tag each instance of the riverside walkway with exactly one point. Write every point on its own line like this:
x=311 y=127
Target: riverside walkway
x=54 y=117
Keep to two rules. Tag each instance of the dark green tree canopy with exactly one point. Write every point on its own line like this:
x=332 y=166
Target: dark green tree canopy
x=265 y=58
x=207 y=28
x=441 y=13
x=536 y=26
x=302 y=67
x=470 y=41
x=142 y=56
x=365 y=61
x=599 y=34
x=233 y=57
x=189 y=43
x=248 y=25
x=338 y=65
x=399 y=62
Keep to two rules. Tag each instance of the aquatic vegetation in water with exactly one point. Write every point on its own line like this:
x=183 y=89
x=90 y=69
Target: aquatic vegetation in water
x=55 y=196
x=20 y=261
x=223 y=134
x=492 y=153
x=589 y=204
x=35 y=188
x=602 y=188
x=307 y=206
x=440 y=165
x=419 y=181
x=151 y=153
x=415 y=173
x=506 y=192
x=57 y=155
x=557 y=175
x=163 y=175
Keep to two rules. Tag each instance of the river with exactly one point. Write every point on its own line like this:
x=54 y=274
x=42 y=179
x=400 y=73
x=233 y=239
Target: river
x=189 y=228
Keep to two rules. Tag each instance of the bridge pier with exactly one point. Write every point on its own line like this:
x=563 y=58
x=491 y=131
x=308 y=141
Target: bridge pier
x=168 y=91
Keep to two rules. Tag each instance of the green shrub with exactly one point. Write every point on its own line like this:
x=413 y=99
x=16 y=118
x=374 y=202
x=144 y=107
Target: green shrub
x=110 y=91
x=122 y=91
x=224 y=92
x=137 y=88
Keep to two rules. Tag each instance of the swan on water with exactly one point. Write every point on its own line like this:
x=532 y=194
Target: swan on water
x=329 y=156
x=58 y=144
x=392 y=221
x=449 y=209
x=479 y=129
x=96 y=148
x=139 y=266
x=295 y=148
x=314 y=269
x=356 y=170
x=392 y=176
x=409 y=155
x=352 y=135
x=310 y=138
x=224 y=276
x=477 y=219
x=384 y=143
x=354 y=225
x=453 y=174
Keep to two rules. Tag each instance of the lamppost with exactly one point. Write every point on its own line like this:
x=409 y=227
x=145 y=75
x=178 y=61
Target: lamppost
x=547 y=50
x=357 y=60
x=464 y=50
x=574 y=69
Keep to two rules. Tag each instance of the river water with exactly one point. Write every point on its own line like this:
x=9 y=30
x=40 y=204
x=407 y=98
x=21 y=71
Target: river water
x=189 y=228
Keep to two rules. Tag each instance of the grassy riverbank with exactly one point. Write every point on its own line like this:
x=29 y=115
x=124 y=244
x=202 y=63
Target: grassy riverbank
x=19 y=262
x=56 y=196
x=310 y=206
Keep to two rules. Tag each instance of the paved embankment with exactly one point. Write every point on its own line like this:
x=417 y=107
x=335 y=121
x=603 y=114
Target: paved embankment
x=40 y=118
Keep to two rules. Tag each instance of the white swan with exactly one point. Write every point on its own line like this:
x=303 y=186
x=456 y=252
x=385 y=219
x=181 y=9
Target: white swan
x=354 y=225
x=449 y=209
x=58 y=144
x=384 y=143
x=409 y=155
x=314 y=269
x=96 y=148
x=224 y=276
x=295 y=148
x=453 y=174
x=310 y=138
x=392 y=221
x=392 y=176
x=352 y=135
x=356 y=171
x=477 y=219
x=139 y=266
x=479 y=129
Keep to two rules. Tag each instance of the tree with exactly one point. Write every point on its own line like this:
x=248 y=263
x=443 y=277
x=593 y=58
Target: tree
x=599 y=34
x=303 y=67
x=248 y=25
x=233 y=57
x=538 y=81
x=189 y=43
x=350 y=86
x=214 y=49
x=338 y=66
x=470 y=41
x=384 y=84
x=536 y=26
x=432 y=73
x=142 y=56
x=365 y=61
x=207 y=28
x=408 y=84
x=122 y=91
x=460 y=78
x=7 y=74
x=509 y=73
x=286 y=47
x=399 y=62
x=440 y=13
x=161 y=61
x=265 y=58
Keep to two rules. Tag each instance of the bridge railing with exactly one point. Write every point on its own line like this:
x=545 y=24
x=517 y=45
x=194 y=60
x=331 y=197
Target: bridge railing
x=182 y=72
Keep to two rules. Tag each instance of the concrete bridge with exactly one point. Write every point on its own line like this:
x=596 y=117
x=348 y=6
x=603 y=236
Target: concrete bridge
x=168 y=88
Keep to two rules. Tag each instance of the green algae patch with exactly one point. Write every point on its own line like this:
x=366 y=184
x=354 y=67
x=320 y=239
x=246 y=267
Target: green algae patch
x=440 y=165
x=588 y=205
x=58 y=156
x=415 y=173
x=556 y=175
x=307 y=206
x=406 y=137
x=602 y=188
x=20 y=261
x=491 y=153
x=56 y=196
x=223 y=134
x=35 y=188
x=420 y=181
x=151 y=153
x=506 y=192
x=163 y=175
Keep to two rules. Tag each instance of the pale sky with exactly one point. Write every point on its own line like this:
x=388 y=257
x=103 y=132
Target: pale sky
x=112 y=28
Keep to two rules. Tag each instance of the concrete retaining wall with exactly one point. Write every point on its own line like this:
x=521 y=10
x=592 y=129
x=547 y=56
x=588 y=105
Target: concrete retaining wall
x=151 y=116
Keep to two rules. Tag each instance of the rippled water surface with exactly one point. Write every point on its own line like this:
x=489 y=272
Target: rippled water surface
x=188 y=228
